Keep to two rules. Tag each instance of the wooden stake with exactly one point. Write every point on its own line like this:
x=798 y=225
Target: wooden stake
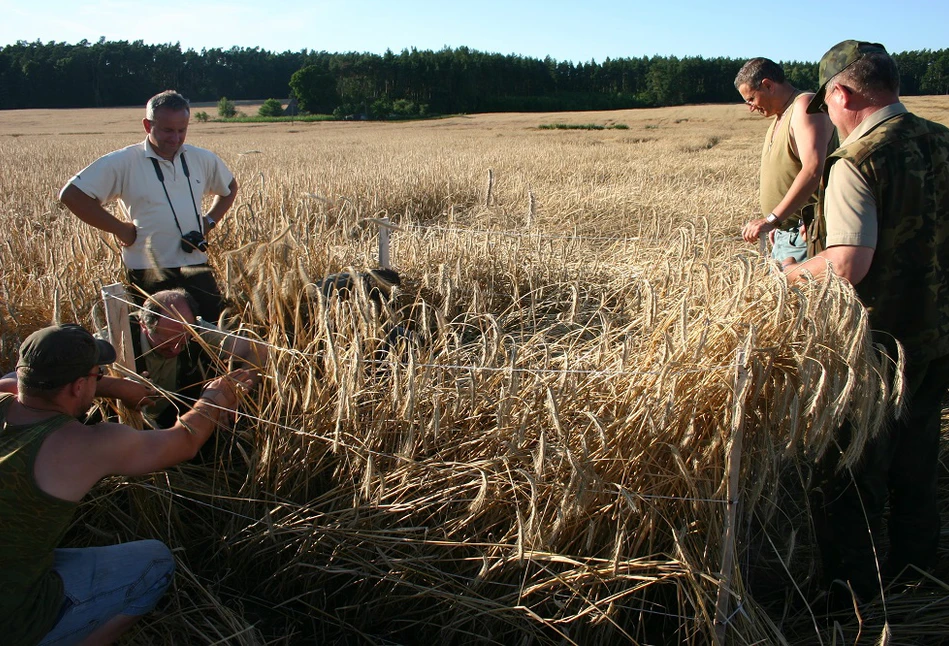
x=115 y=303
x=384 y=259
x=732 y=468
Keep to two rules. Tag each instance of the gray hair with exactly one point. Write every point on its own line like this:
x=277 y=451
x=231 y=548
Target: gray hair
x=756 y=70
x=167 y=100
x=166 y=303
x=873 y=73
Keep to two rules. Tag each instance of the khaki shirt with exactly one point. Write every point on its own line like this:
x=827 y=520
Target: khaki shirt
x=850 y=210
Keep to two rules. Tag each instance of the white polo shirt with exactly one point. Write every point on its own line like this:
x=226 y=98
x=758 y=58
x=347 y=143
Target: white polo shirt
x=129 y=176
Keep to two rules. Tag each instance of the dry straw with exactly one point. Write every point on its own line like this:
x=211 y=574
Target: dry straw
x=526 y=441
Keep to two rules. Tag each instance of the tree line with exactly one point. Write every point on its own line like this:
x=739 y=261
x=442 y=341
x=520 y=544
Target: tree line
x=451 y=80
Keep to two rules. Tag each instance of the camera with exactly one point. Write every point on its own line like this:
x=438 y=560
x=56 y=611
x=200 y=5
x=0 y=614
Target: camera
x=193 y=240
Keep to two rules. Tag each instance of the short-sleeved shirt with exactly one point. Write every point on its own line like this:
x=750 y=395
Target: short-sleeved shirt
x=850 y=209
x=129 y=176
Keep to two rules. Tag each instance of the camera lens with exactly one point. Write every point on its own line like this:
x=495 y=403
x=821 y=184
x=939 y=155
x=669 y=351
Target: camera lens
x=193 y=240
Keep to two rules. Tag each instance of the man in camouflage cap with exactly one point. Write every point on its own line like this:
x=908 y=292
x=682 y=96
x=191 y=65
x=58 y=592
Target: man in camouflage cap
x=883 y=224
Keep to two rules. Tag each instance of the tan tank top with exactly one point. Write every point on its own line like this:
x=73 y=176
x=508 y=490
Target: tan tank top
x=779 y=166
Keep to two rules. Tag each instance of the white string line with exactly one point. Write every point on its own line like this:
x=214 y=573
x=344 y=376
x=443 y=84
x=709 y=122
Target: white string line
x=455 y=367
x=509 y=233
x=412 y=461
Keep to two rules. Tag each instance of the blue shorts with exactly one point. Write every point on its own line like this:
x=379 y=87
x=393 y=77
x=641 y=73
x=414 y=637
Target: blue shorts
x=789 y=244
x=102 y=582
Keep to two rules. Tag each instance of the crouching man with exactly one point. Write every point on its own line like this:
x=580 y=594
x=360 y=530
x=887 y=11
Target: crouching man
x=49 y=461
x=178 y=351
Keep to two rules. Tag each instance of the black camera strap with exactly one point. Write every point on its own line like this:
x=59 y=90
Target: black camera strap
x=161 y=178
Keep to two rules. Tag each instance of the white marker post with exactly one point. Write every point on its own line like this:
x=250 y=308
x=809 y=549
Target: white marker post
x=114 y=300
x=384 y=258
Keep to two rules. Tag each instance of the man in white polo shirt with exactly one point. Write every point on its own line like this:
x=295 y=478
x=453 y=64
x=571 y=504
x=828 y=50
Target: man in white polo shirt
x=159 y=184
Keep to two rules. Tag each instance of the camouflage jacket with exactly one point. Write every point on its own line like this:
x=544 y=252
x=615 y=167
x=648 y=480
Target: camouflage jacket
x=905 y=161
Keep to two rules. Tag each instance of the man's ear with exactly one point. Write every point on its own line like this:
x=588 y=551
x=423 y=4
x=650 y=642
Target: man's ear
x=75 y=386
x=847 y=96
x=767 y=85
x=147 y=125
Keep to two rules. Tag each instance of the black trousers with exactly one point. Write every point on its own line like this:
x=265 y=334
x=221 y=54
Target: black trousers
x=901 y=465
x=197 y=280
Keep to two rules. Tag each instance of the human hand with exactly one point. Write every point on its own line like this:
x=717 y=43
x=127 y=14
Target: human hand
x=753 y=230
x=127 y=235
x=803 y=232
x=225 y=390
x=134 y=394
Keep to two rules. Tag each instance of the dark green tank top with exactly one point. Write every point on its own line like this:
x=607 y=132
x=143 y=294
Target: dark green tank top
x=32 y=524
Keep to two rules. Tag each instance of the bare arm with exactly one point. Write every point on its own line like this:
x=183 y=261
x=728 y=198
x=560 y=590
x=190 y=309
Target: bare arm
x=89 y=210
x=849 y=262
x=811 y=134
x=73 y=459
x=223 y=203
x=8 y=383
x=133 y=394
x=252 y=355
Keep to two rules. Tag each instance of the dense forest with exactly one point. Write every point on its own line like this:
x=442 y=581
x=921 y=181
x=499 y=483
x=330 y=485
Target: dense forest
x=121 y=73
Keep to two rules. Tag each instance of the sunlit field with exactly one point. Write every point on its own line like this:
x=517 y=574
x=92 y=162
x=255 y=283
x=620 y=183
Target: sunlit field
x=585 y=416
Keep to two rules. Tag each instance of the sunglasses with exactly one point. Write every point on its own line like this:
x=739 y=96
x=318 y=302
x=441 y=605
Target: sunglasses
x=827 y=95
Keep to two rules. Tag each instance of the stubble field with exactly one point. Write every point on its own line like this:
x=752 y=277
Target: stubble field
x=531 y=439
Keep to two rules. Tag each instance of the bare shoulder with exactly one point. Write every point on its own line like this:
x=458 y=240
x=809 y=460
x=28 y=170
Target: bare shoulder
x=818 y=121
x=75 y=456
x=800 y=103
x=85 y=440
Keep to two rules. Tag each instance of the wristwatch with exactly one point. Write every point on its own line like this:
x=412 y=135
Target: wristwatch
x=773 y=219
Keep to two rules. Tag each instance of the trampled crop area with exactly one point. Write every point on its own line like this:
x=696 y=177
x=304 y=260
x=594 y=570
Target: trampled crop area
x=585 y=416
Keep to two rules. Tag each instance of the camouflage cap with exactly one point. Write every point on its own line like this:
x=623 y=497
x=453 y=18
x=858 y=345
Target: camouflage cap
x=836 y=60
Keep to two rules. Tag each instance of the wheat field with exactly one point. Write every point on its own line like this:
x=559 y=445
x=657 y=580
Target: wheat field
x=586 y=416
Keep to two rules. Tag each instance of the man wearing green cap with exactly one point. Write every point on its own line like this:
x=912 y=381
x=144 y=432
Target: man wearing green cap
x=48 y=462
x=883 y=224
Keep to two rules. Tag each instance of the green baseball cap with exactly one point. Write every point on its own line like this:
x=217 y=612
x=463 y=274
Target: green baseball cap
x=836 y=60
x=59 y=354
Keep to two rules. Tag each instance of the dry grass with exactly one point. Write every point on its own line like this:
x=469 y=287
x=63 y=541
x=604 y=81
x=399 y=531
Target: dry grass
x=537 y=454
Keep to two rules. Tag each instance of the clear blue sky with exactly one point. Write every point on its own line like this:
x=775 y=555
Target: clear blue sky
x=568 y=31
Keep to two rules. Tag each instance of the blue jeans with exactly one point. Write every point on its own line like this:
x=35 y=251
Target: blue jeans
x=789 y=244
x=102 y=582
